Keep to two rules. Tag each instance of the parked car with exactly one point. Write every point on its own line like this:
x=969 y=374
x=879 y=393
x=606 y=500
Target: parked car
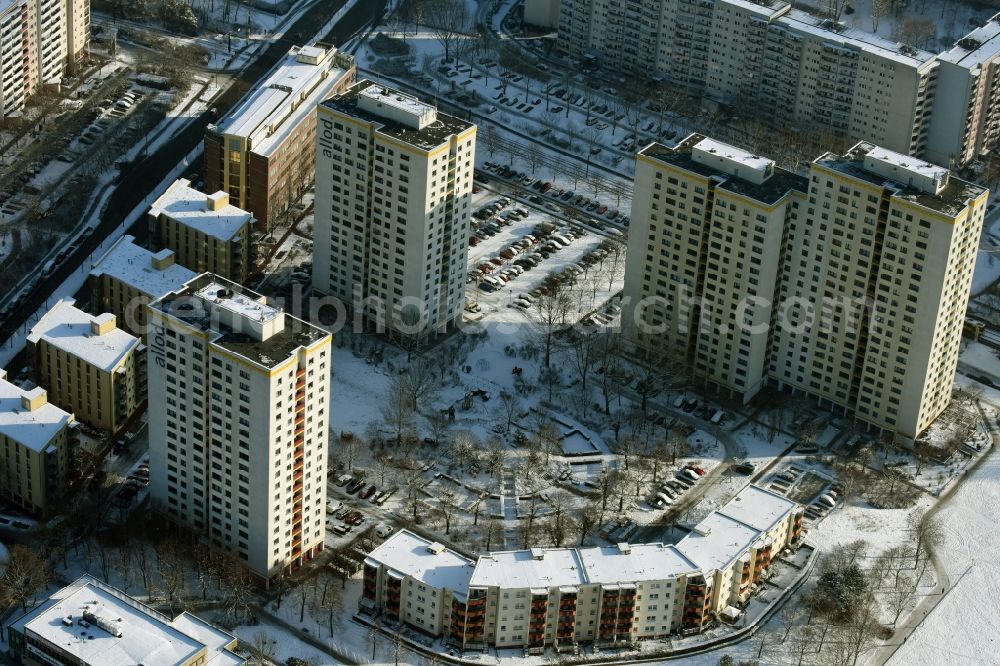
x=367 y=492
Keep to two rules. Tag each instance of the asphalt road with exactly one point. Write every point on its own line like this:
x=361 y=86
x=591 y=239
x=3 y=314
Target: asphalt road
x=142 y=176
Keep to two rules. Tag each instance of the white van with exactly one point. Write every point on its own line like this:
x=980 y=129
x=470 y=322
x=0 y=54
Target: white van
x=717 y=416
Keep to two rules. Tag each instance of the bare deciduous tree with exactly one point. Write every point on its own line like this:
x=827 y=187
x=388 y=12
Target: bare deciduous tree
x=26 y=574
x=239 y=592
x=900 y=597
x=879 y=9
x=929 y=533
x=447 y=508
x=492 y=530
x=397 y=408
x=262 y=650
x=447 y=19
x=510 y=404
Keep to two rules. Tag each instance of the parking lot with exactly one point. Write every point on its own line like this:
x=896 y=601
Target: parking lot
x=38 y=177
x=576 y=205
x=518 y=253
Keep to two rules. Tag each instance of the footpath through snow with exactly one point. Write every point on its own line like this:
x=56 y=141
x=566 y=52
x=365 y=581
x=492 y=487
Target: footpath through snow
x=962 y=628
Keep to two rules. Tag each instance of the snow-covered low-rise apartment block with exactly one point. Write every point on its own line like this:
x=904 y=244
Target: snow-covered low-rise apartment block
x=127 y=277
x=797 y=69
x=849 y=284
x=262 y=152
x=238 y=424
x=88 y=623
x=206 y=233
x=35 y=440
x=393 y=186
x=606 y=595
x=88 y=365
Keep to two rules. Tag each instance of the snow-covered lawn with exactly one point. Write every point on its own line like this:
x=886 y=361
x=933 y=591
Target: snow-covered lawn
x=962 y=628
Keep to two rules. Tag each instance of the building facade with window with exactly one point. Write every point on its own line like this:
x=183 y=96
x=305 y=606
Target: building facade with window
x=393 y=186
x=561 y=597
x=89 y=366
x=238 y=423
x=774 y=60
x=752 y=274
x=262 y=153
x=763 y=57
x=40 y=42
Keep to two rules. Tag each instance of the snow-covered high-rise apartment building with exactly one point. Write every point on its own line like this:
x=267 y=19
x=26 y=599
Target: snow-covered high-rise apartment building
x=393 y=185
x=239 y=394
x=849 y=285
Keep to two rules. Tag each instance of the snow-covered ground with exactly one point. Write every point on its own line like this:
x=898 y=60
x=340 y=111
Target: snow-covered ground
x=937 y=24
x=961 y=630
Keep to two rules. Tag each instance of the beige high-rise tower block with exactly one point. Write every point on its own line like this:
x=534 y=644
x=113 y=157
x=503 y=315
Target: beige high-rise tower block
x=850 y=285
x=393 y=185
x=900 y=236
x=238 y=422
x=704 y=252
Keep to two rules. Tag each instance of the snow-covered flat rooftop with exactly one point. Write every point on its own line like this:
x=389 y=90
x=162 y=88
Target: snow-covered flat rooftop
x=240 y=321
x=716 y=541
x=33 y=428
x=430 y=563
x=125 y=631
x=72 y=330
x=733 y=153
x=861 y=40
x=732 y=160
x=237 y=303
x=305 y=77
x=906 y=170
x=758 y=507
x=136 y=267
x=638 y=562
x=202 y=212
x=396 y=105
x=535 y=568
x=213 y=638
x=976 y=48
